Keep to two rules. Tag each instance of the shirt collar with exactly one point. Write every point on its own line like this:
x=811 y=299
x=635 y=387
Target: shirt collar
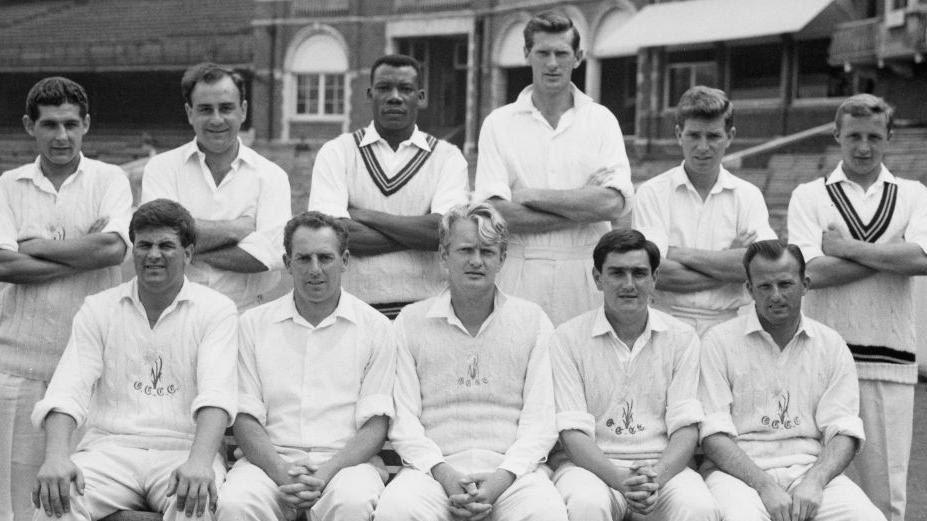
x=752 y=325
x=725 y=180
x=417 y=138
x=245 y=154
x=286 y=310
x=442 y=308
x=839 y=175
x=130 y=292
x=37 y=176
x=524 y=104
x=601 y=326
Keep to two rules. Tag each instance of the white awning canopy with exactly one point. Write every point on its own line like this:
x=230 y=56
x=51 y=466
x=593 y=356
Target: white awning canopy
x=703 y=21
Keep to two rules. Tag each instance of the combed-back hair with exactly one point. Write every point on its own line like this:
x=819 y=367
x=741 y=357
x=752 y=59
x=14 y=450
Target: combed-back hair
x=701 y=102
x=314 y=220
x=491 y=227
x=552 y=23
x=164 y=213
x=623 y=241
x=773 y=249
x=862 y=105
x=209 y=73
x=54 y=91
x=398 y=60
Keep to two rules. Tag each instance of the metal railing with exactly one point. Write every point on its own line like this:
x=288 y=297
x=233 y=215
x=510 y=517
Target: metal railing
x=736 y=159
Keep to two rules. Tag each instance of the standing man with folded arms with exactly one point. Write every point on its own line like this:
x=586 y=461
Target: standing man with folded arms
x=702 y=217
x=63 y=225
x=554 y=164
x=240 y=200
x=864 y=233
x=391 y=182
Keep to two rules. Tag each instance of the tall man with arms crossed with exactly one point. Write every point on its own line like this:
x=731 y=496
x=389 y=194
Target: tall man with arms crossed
x=240 y=200
x=554 y=164
x=474 y=399
x=702 y=217
x=150 y=371
x=316 y=371
x=781 y=404
x=390 y=182
x=625 y=380
x=63 y=224
x=864 y=233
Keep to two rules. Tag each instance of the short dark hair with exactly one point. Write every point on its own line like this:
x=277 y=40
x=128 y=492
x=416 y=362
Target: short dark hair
x=398 y=60
x=164 y=213
x=623 y=241
x=54 y=91
x=314 y=220
x=701 y=102
x=773 y=249
x=208 y=72
x=552 y=23
x=862 y=105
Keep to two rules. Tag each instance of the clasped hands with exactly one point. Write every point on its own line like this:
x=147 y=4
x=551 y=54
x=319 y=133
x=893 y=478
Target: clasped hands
x=641 y=488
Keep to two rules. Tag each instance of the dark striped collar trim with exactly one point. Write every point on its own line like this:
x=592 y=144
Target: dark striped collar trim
x=875 y=228
x=388 y=186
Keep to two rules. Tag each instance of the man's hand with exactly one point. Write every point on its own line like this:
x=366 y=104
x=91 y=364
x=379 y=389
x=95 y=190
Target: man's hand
x=307 y=481
x=600 y=176
x=806 y=498
x=52 y=490
x=833 y=242
x=777 y=502
x=194 y=483
x=489 y=486
x=743 y=240
x=641 y=489
x=461 y=492
x=98 y=225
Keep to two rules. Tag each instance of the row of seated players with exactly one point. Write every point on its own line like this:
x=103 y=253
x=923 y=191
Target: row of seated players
x=470 y=386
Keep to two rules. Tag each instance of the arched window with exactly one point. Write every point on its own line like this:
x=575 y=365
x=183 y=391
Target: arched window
x=318 y=66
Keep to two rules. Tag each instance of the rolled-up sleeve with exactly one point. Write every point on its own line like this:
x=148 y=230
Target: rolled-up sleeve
x=804 y=228
x=329 y=191
x=453 y=183
x=537 y=431
x=407 y=434
x=492 y=177
x=715 y=389
x=250 y=395
x=648 y=215
x=376 y=393
x=617 y=160
x=838 y=409
x=569 y=392
x=682 y=405
x=116 y=206
x=217 y=361
x=265 y=243
x=80 y=367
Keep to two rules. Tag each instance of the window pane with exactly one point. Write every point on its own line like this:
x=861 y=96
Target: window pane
x=816 y=78
x=755 y=72
x=301 y=82
x=334 y=94
x=312 y=93
x=680 y=79
x=705 y=74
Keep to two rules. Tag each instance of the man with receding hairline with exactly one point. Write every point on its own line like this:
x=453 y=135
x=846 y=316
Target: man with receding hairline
x=391 y=182
x=781 y=404
x=864 y=233
x=240 y=199
x=554 y=164
x=63 y=223
x=701 y=216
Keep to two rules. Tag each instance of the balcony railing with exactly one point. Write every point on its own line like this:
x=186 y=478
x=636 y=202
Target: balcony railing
x=855 y=42
x=320 y=7
x=177 y=52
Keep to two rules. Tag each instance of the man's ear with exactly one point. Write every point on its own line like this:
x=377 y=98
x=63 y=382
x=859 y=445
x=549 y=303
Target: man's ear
x=29 y=125
x=345 y=259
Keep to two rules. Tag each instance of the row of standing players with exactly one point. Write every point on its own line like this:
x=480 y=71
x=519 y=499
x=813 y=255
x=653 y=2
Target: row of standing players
x=552 y=164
